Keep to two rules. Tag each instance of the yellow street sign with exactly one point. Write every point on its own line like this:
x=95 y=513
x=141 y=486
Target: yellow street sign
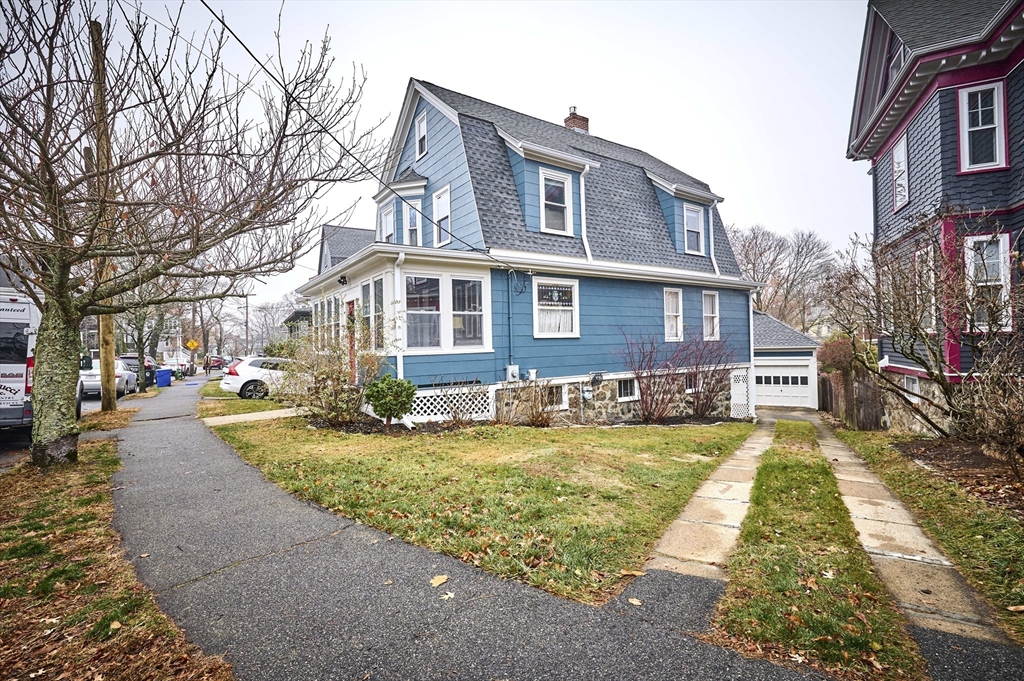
x=191 y=344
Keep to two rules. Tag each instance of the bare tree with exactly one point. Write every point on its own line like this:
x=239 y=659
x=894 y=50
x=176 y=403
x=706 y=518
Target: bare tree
x=191 y=174
x=708 y=372
x=793 y=269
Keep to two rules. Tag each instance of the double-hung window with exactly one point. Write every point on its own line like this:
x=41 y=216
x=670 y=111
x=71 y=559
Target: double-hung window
x=556 y=199
x=913 y=387
x=373 y=311
x=711 y=330
x=412 y=223
x=988 y=272
x=467 y=312
x=693 y=224
x=442 y=217
x=673 y=314
x=421 y=136
x=900 y=177
x=387 y=225
x=423 y=311
x=924 y=287
x=982 y=127
x=556 y=311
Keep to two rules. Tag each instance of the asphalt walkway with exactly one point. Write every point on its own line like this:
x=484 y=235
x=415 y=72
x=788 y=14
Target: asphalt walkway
x=286 y=590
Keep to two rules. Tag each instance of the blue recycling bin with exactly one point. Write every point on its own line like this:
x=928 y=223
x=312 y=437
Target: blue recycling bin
x=163 y=378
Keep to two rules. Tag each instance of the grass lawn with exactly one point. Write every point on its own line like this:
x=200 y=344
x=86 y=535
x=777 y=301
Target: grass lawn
x=985 y=542
x=799 y=582
x=107 y=420
x=70 y=605
x=227 y=404
x=569 y=510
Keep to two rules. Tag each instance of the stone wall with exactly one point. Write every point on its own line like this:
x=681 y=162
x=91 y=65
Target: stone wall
x=901 y=419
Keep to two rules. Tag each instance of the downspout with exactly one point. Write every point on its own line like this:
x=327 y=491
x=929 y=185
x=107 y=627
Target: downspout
x=399 y=356
x=751 y=390
x=583 y=215
x=508 y=279
x=711 y=240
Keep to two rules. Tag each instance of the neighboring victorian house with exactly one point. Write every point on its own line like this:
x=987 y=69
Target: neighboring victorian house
x=939 y=113
x=509 y=248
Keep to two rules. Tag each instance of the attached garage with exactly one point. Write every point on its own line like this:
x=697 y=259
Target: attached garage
x=785 y=365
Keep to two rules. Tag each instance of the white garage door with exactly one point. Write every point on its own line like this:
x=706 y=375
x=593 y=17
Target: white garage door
x=785 y=385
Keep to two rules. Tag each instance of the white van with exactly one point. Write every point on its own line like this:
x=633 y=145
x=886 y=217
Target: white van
x=19 y=321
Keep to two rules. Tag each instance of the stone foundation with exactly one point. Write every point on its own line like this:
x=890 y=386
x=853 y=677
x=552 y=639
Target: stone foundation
x=900 y=419
x=604 y=406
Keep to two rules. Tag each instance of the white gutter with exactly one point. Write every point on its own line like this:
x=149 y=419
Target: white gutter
x=711 y=233
x=399 y=299
x=583 y=217
x=751 y=389
x=544 y=154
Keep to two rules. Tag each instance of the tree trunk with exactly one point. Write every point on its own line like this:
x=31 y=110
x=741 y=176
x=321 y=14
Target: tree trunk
x=55 y=387
x=140 y=345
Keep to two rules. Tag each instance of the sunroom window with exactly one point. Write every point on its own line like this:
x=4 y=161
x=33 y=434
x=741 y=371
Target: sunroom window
x=982 y=133
x=555 y=308
x=556 y=195
x=467 y=312
x=423 y=312
x=693 y=219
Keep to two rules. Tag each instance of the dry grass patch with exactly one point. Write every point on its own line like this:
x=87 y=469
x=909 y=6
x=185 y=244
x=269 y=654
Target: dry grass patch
x=151 y=391
x=568 y=510
x=107 y=420
x=208 y=408
x=70 y=605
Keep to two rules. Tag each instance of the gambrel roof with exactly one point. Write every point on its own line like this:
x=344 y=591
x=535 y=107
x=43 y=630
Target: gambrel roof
x=770 y=333
x=927 y=24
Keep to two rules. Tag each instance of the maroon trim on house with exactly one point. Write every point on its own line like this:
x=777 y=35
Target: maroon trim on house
x=906 y=371
x=951 y=321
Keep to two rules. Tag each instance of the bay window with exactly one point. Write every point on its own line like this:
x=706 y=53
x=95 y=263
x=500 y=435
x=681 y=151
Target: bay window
x=387 y=225
x=982 y=127
x=556 y=202
x=988 y=275
x=412 y=223
x=900 y=178
x=556 y=312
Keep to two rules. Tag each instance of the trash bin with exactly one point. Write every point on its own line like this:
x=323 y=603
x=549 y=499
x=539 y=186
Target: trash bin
x=163 y=378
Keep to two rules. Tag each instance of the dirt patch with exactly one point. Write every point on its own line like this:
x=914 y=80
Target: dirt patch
x=967 y=464
x=369 y=426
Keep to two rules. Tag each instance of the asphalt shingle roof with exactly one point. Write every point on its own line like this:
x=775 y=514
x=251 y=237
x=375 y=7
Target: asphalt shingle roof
x=769 y=332
x=338 y=243
x=409 y=175
x=922 y=24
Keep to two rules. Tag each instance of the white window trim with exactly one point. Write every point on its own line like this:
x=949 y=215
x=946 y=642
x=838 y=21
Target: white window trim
x=914 y=398
x=928 y=296
x=679 y=293
x=718 y=316
x=557 y=281
x=700 y=229
x=415 y=207
x=563 y=403
x=422 y=118
x=448 y=346
x=547 y=173
x=636 y=390
x=384 y=214
x=435 y=219
x=1004 y=270
x=1000 y=122
x=901 y=144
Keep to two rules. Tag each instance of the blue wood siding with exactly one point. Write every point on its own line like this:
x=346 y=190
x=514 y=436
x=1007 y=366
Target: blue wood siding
x=527 y=174
x=609 y=309
x=444 y=164
x=672 y=207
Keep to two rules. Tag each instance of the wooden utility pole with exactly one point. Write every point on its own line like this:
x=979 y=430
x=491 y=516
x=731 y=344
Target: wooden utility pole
x=108 y=383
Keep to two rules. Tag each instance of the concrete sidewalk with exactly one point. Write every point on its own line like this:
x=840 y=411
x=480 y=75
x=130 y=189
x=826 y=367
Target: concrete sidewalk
x=287 y=590
x=254 y=416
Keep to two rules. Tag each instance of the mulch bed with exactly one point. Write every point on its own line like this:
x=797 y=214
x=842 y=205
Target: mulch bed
x=371 y=426
x=966 y=463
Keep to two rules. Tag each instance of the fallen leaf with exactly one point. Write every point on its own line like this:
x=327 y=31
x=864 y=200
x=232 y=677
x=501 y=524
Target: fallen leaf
x=438 y=581
x=143 y=555
x=861 y=617
x=632 y=573
x=635 y=601
x=1016 y=608
x=448 y=596
x=812 y=583
x=115 y=625
x=388 y=583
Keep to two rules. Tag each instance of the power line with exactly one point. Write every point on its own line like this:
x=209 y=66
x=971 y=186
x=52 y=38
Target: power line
x=331 y=134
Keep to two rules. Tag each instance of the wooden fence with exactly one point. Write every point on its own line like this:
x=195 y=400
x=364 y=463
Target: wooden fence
x=852 y=398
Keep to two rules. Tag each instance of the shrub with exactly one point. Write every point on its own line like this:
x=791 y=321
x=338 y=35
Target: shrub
x=390 y=397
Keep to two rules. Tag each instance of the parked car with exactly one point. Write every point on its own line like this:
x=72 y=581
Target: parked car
x=253 y=377
x=132 y=360
x=216 y=362
x=126 y=380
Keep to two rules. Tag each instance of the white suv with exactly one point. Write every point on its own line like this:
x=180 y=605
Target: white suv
x=253 y=378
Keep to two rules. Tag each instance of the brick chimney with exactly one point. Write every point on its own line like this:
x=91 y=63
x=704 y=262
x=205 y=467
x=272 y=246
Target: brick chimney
x=576 y=122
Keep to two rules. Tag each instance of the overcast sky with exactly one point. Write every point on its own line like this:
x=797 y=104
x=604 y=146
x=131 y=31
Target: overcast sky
x=751 y=97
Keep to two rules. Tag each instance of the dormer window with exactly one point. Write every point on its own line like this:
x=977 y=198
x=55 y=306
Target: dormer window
x=421 y=136
x=693 y=221
x=982 y=128
x=387 y=225
x=556 y=200
x=897 y=55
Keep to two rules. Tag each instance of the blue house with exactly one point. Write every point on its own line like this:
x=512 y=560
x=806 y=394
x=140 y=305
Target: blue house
x=509 y=248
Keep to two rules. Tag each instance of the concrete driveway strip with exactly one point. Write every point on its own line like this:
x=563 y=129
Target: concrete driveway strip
x=287 y=590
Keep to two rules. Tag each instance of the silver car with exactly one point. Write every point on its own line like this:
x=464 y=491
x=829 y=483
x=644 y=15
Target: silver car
x=126 y=380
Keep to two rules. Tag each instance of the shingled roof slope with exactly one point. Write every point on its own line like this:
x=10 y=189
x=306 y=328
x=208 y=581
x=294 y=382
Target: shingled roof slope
x=338 y=243
x=769 y=332
x=922 y=24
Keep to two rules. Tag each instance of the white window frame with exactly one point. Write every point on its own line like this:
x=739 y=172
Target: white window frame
x=912 y=396
x=548 y=174
x=690 y=208
x=563 y=402
x=436 y=219
x=717 y=316
x=414 y=207
x=678 y=315
x=448 y=346
x=998 y=103
x=618 y=390
x=385 y=215
x=900 y=173
x=925 y=290
x=557 y=281
x=1004 y=271
x=421 y=122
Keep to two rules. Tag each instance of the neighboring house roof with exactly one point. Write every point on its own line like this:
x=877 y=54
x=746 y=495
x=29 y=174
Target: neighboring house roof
x=298 y=316
x=338 y=243
x=924 y=24
x=769 y=332
x=625 y=221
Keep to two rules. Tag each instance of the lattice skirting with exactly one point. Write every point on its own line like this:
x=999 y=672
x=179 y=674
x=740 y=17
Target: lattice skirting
x=740 y=407
x=437 y=405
